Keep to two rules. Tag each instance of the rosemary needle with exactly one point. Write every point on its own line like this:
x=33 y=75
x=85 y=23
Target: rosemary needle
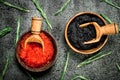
x=62 y=8
x=18 y=30
x=118 y=66
x=106 y=18
x=65 y=67
x=5 y=67
x=81 y=77
x=110 y=3
x=5 y=31
x=89 y=60
x=13 y=6
x=42 y=12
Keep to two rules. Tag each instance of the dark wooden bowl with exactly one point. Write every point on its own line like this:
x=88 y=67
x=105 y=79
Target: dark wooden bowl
x=90 y=51
x=46 y=66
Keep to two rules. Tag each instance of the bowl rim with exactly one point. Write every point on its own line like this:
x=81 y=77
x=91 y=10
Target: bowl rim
x=45 y=67
x=90 y=51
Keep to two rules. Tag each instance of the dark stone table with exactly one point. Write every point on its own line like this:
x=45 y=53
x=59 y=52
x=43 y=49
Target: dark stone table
x=102 y=69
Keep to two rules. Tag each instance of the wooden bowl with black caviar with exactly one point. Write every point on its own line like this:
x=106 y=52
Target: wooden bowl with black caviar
x=76 y=36
x=32 y=58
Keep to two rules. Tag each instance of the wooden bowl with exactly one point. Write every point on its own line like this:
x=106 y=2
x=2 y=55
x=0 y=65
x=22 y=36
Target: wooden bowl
x=90 y=51
x=46 y=66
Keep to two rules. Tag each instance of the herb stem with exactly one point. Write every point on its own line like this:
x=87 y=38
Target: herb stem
x=13 y=6
x=110 y=3
x=106 y=18
x=5 y=67
x=5 y=31
x=62 y=8
x=81 y=77
x=118 y=66
x=65 y=67
x=42 y=12
x=94 y=58
x=18 y=30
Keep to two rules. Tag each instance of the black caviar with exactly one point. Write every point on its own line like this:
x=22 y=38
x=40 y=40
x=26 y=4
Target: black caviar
x=77 y=36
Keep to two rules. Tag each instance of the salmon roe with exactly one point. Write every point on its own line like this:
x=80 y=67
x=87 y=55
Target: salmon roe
x=32 y=55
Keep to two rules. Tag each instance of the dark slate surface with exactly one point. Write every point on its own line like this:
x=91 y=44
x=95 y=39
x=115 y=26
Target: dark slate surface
x=102 y=69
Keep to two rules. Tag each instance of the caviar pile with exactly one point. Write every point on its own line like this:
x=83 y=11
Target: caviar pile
x=32 y=55
x=77 y=36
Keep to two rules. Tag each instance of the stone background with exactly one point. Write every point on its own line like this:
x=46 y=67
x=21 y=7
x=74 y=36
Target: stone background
x=102 y=69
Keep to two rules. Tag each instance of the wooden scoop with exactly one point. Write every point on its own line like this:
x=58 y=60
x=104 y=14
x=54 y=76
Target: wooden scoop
x=35 y=30
x=104 y=30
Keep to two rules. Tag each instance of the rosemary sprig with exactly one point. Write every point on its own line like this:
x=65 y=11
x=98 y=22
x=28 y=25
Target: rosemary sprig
x=95 y=57
x=81 y=77
x=118 y=66
x=110 y=3
x=18 y=30
x=36 y=3
x=13 y=6
x=5 y=67
x=62 y=8
x=5 y=31
x=65 y=67
x=106 y=18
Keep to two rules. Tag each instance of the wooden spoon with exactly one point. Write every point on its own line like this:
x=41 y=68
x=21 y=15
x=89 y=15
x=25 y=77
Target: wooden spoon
x=35 y=30
x=104 y=30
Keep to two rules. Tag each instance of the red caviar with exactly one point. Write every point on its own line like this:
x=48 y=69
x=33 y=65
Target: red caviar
x=32 y=55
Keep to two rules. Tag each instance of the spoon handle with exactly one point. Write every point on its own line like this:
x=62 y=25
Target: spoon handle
x=36 y=25
x=110 y=29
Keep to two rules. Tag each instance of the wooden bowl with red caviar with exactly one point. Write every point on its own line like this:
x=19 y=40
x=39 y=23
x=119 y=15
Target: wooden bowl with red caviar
x=32 y=57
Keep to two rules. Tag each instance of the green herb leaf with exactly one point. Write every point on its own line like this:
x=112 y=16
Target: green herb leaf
x=118 y=66
x=18 y=30
x=106 y=18
x=110 y=3
x=81 y=77
x=65 y=67
x=95 y=57
x=13 y=6
x=5 y=67
x=5 y=31
x=36 y=3
x=62 y=8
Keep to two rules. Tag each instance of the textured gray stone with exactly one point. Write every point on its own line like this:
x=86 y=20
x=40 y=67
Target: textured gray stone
x=102 y=69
